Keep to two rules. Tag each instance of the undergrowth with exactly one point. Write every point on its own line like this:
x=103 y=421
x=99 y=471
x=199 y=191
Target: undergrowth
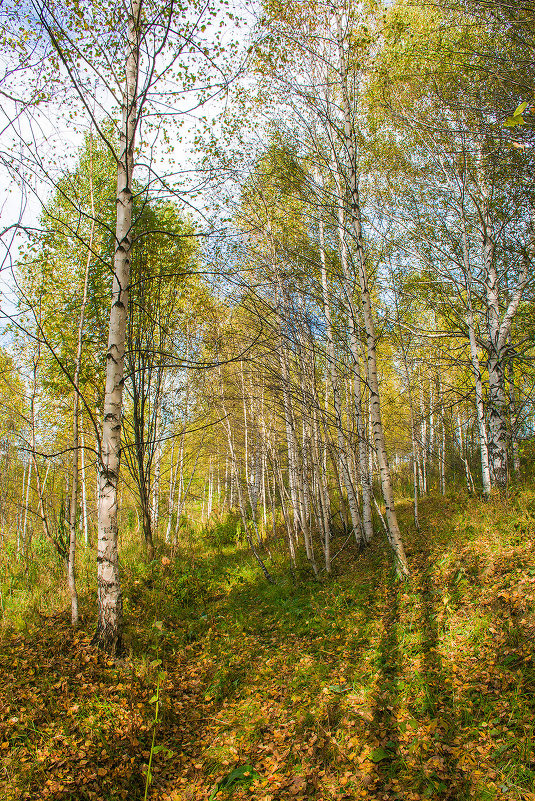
x=358 y=686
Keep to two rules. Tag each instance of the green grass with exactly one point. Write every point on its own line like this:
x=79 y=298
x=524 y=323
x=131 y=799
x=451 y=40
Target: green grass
x=358 y=686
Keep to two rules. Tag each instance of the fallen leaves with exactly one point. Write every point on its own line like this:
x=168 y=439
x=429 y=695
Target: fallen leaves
x=411 y=692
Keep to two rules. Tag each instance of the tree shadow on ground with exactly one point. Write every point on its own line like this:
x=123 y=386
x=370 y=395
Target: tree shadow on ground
x=441 y=776
x=385 y=726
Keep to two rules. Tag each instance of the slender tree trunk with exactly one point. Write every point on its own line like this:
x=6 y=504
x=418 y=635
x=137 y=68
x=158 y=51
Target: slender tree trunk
x=497 y=357
x=285 y=515
x=180 y=468
x=337 y=408
x=355 y=346
x=514 y=420
x=423 y=436
x=173 y=470
x=84 y=485
x=73 y=510
x=294 y=473
x=20 y=514
x=323 y=494
x=241 y=500
x=432 y=434
x=271 y=490
x=464 y=454
x=480 y=408
x=411 y=410
x=442 y=470
x=155 y=505
x=245 y=428
x=476 y=368
x=369 y=326
x=210 y=490
x=26 y=504
x=497 y=418
x=497 y=446
x=108 y=634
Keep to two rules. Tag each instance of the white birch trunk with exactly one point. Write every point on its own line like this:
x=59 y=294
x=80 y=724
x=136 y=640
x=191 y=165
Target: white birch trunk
x=497 y=398
x=285 y=515
x=354 y=342
x=210 y=489
x=85 y=521
x=172 y=483
x=442 y=470
x=73 y=510
x=155 y=505
x=369 y=326
x=26 y=504
x=323 y=494
x=241 y=500
x=476 y=369
x=462 y=453
x=342 y=455
x=294 y=473
x=110 y=603
x=423 y=437
x=514 y=421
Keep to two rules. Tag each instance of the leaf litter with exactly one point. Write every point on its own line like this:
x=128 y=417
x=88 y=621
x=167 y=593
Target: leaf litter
x=424 y=690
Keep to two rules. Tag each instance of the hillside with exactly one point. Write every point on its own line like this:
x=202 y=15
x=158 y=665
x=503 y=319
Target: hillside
x=360 y=686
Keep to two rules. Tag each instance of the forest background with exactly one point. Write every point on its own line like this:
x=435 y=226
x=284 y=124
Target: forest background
x=315 y=226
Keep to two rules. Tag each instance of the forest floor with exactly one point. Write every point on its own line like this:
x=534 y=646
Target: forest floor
x=359 y=687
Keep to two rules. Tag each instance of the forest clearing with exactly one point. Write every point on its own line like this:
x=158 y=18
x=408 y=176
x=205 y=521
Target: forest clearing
x=267 y=400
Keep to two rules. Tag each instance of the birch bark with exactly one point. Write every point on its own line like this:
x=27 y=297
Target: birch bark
x=84 y=485
x=476 y=369
x=342 y=456
x=241 y=500
x=355 y=219
x=110 y=604
x=497 y=399
x=355 y=346
x=71 y=551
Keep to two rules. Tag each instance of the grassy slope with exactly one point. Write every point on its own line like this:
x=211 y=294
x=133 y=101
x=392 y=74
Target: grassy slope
x=359 y=687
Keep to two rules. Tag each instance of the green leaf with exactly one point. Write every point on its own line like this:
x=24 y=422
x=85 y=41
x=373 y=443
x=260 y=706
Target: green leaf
x=153 y=699
x=509 y=660
x=521 y=108
x=510 y=122
x=339 y=688
x=505 y=747
x=378 y=754
x=243 y=774
x=157 y=749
